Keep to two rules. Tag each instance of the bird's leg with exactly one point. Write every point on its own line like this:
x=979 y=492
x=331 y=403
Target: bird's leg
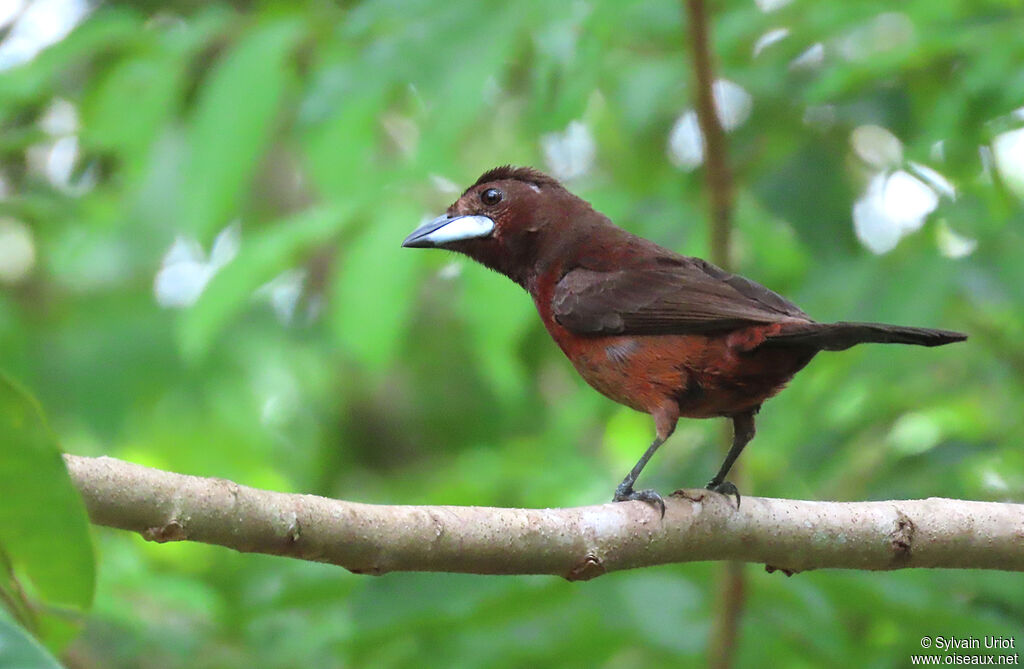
x=742 y=433
x=625 y=490
x=665 y=421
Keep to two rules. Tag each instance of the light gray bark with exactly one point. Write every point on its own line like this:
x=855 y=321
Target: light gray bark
x=576 y=543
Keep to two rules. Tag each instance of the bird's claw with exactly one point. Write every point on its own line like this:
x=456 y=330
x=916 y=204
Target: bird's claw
x=725 y=488
x=627 y=494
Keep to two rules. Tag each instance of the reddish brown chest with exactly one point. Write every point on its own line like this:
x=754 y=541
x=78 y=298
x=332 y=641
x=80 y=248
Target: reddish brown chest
x=705 y=375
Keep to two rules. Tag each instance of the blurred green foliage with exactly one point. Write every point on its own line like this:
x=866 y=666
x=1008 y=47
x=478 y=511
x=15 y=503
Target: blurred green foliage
x=20 y=649
x=45 y=546
x=377 y=374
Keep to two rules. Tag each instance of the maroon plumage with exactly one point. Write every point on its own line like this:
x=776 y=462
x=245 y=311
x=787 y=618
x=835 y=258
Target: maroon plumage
x=660 y=332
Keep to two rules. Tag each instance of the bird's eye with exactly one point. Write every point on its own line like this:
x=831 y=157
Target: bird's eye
x=491 y=196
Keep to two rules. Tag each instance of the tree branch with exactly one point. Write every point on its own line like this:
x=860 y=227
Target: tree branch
x=718 y=176
x=576 y=543
x=731 y=579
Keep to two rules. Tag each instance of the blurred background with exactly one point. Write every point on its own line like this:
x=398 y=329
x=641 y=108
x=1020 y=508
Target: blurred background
x=201 y=207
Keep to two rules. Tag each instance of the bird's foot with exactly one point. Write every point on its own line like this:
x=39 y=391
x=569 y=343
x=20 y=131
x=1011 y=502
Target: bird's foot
x=725 y=488
x=626 y=493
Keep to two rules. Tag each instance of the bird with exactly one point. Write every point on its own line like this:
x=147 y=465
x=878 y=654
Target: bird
x=665 y=334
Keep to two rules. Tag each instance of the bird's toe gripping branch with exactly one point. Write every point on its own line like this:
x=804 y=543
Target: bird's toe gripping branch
x=626 y=494
x=726 y=488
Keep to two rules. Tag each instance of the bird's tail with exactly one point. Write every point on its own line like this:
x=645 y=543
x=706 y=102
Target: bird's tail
x=841 y=336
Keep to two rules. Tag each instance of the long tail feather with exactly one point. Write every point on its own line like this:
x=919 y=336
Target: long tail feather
x=841 y=336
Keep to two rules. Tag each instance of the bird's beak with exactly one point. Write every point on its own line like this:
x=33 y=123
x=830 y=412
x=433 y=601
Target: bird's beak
x=444 y=229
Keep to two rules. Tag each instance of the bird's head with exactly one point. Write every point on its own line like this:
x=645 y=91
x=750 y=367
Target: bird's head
x=503 y=221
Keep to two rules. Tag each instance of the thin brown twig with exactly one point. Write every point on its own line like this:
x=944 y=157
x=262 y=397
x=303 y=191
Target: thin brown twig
x=730 y=582
x=14 y=598
x=719 y=177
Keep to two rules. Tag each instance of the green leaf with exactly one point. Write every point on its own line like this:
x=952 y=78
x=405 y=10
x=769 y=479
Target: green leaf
x=43 y=525
x=339 y=148
x=148 y=86
x=237 y=106
x=18 y=650
x=262 y=256
x=373 y=289
x=106 y=29
x=497 y=333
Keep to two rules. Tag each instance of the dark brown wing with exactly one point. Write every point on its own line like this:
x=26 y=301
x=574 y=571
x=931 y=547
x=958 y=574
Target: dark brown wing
x=686 y=296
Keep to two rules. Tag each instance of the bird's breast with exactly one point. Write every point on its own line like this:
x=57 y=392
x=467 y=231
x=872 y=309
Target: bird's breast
x=627 y=369
x=705 y=374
